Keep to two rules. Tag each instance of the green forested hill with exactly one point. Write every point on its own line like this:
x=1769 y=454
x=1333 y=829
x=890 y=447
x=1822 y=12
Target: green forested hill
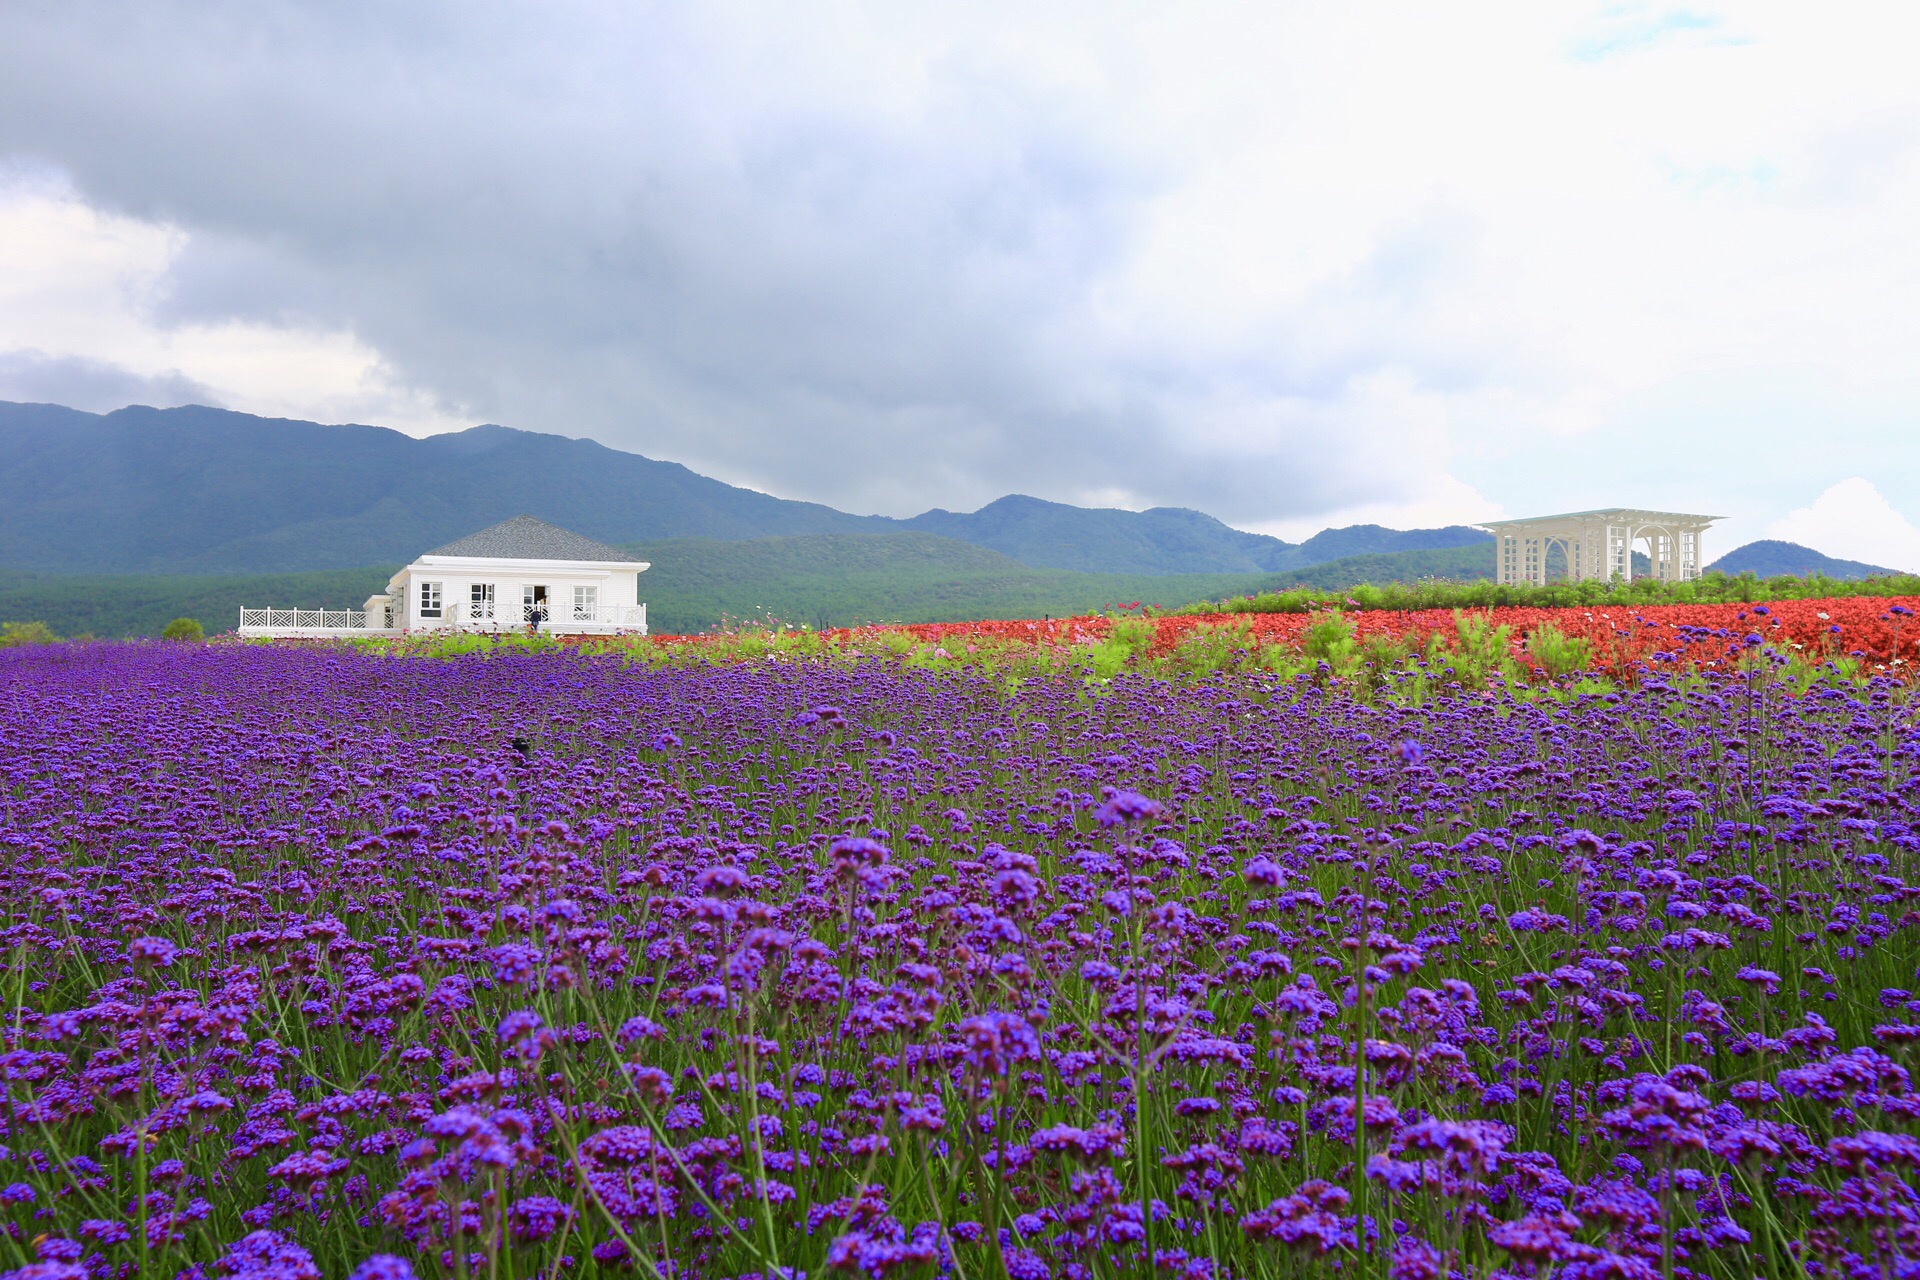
x=114 y=605
x=1771 y=557
x=1397 y=566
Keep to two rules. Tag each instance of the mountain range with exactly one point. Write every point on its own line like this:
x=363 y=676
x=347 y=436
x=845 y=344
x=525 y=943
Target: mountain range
x=199 y=490
x=202 y=491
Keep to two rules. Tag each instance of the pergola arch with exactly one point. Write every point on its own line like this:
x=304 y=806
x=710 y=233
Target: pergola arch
x=1599 y=545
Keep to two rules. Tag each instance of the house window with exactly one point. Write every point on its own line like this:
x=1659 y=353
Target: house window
x=532 y=598
x=586 y=603
x=430 y=599
x=482 y=600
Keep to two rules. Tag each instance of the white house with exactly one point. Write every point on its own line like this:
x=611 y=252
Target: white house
x=499 y=579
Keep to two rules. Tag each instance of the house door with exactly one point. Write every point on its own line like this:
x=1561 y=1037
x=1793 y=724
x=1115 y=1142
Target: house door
x=532 y=598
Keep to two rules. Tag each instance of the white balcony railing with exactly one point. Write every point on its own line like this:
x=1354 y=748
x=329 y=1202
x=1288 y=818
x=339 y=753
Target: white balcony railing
x=562 y=617
x=628 y=616
x=623 y=617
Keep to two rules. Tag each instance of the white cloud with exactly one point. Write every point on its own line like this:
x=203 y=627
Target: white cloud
x=1446 y=501
x=78 y=294
x=94 y=386
x=1292 y=264
x=1854 y=521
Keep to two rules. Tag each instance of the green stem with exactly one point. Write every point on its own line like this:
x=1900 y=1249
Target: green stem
x=1141 y=1155
x=1362 y=1011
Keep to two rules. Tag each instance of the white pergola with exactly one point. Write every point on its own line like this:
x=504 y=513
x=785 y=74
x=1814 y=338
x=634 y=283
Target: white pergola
x=1599 y=545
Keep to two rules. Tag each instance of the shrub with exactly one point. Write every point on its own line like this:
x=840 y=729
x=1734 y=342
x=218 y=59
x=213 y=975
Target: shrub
x=1214 y=647
x=1480 y=649
x=183 y=629
x=1384 y=662
x=1331 y=640
x=1126 y=640
x=15 y=634
x=1711 y=587
x=1558 y=654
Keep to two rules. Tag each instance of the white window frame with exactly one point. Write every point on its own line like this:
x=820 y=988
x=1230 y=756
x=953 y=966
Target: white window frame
x=432 y=599
x=586 y=602
x=480 y=597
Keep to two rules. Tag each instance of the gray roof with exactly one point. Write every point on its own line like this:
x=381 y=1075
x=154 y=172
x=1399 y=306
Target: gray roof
x=524 y=538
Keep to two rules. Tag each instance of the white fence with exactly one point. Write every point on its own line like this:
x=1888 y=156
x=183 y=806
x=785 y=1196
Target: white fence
x=307 y=622
x=565 y=619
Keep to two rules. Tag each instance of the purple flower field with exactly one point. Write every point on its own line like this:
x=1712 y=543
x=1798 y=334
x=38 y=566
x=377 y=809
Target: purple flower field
x=333 y=964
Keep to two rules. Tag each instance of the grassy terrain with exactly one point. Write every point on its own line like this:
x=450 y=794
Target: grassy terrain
x=838 y=580
x=695 y=584
x=834 y=580
x=1446 y=563
x=116 y=605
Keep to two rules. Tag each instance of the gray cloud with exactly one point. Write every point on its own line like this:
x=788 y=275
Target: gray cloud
x=641 y=226
x=96 y=386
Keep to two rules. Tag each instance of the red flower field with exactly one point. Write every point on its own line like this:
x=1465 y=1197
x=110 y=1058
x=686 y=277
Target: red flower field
x=1881 y=630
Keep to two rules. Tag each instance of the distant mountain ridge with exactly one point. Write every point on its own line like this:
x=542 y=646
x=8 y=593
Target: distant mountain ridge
x=1769 y=558
x=200 y=490
x=211 y=491
x=1055 y=535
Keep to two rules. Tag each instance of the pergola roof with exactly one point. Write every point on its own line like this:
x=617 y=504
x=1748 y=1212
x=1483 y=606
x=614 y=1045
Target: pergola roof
x=1621 y=515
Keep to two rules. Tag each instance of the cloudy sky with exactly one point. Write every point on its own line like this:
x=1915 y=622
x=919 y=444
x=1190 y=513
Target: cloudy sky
x=1294 y=264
